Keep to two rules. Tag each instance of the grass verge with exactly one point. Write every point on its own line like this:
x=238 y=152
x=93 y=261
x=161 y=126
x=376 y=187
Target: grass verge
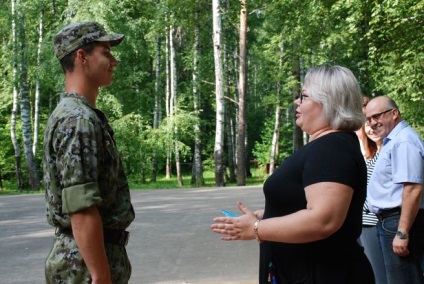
x=258 y=177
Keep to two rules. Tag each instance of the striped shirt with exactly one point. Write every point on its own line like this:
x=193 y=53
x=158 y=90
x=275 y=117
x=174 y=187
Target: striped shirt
x=369 y=218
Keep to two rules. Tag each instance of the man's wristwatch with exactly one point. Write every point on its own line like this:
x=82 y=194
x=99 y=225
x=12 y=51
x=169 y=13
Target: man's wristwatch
x=402 y=235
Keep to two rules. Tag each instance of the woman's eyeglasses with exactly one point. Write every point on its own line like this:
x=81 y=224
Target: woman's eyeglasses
x=302 y=97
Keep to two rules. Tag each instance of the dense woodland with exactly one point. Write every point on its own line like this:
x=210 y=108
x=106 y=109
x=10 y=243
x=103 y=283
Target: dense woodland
x=203 y=84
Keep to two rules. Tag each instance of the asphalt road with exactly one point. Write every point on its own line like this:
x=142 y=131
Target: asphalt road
x=170 y=242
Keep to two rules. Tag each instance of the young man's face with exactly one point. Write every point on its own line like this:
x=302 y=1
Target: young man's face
x=100 y=64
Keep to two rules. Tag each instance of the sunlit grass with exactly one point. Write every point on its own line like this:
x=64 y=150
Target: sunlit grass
x=10 y=188
x=172 y=183
x=208 y=176
x=258 y=177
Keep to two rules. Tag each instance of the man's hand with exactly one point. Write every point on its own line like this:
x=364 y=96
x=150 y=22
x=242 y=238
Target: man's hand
x=400 y=246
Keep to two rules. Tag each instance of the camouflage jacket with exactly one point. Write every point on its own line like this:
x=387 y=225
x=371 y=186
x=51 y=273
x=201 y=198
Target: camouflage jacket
x=82 y=166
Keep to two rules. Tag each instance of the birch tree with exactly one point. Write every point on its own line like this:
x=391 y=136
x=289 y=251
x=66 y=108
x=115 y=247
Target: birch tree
x=278 y=110
x=219 y=97
x=37 y=88
x=229 y=125
x=16 y=146
x=297 y=132
x=173 y=99
x=241 y=133
x=33 y=179
x=197 y=172
x=168 y=106
x=157 y=115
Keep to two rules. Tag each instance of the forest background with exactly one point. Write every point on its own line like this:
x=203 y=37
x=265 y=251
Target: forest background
x=203 y=86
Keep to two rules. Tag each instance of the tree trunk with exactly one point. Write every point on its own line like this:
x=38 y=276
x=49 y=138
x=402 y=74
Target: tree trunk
x=143 y=176
x=236 y=99
x=297 y=133
x=246 y=155
x=197 y=172
x=229 y=123
x=168 y=104
x=275 y=139
x=219 y=97
x=173 y=69
x=17 y=148
x=278 y=110
x=33 y=179
x=241 y=133
x=157 y=116
x=1 y=181
x=37 y=89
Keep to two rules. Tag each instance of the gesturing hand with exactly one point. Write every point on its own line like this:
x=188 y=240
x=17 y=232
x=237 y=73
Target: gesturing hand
x=236 y=228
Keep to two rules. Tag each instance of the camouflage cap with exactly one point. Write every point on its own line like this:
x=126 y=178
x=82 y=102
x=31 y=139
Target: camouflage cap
x=76 y=35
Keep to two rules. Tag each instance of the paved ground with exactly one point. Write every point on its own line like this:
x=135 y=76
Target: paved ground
x=170 y=242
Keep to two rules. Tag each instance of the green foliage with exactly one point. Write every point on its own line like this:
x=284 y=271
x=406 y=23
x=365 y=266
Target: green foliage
x=178 y=127
x=110 y=105
x=382 y=42
x=134 y=144
x=137 y=141
x=262 y=148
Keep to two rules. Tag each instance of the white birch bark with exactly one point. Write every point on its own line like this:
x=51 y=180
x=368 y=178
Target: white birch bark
x=37 y=89
x=168 y=104
x=13 y=122
x=219 y=97
x=278 y=111
x=33 y=179
x=157 y=116
x=197 y=173
x=173 y=110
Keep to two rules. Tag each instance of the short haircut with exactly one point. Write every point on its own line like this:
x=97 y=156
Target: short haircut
x=338 y=91
x=67 y=62
x=390 y=103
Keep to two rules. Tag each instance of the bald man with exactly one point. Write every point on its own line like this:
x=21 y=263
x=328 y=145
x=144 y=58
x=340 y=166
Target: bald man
x=395 y=192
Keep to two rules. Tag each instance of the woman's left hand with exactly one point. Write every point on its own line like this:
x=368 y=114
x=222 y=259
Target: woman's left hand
x=236 y=228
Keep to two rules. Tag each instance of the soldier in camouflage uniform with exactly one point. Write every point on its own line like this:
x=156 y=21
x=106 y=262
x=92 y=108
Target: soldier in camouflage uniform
x=87 y=194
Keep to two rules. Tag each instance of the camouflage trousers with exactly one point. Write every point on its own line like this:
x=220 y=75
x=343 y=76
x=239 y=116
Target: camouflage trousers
x=64 y=264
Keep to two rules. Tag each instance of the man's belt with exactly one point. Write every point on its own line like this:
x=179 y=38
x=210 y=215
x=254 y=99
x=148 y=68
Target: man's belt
x=388 y=213
x=118 y=237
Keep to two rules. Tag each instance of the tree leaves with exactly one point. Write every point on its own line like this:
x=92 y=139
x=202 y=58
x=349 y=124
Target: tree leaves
x=382 y=42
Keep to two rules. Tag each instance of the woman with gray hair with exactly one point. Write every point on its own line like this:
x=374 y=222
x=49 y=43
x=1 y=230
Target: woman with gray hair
x=309 y=228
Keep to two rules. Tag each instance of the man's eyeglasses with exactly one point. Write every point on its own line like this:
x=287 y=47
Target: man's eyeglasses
x=302 y=97
x=376 y=116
